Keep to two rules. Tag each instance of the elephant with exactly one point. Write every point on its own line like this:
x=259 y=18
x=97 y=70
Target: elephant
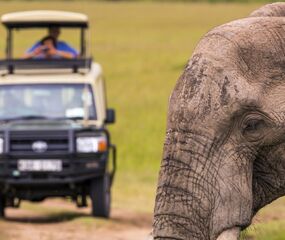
x=224 y=150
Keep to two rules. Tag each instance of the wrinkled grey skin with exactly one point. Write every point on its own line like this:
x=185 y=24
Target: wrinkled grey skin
x=224 y=153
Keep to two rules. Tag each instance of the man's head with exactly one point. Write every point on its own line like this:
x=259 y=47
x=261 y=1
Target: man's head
x=48 y=41
x=54 y=32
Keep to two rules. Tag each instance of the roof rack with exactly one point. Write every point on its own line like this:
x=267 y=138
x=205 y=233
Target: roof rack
x=24 y=64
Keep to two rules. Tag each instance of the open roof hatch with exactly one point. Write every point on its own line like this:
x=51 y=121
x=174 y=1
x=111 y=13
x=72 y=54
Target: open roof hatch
x=44 y=19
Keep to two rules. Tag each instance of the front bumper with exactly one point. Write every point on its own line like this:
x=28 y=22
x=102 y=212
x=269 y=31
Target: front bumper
x=75 y=169
x=73 y=180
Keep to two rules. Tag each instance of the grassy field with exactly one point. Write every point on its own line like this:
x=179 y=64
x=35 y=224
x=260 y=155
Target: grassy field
x=143 y=48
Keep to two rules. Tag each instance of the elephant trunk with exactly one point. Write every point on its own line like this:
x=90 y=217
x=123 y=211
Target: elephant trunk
x=196 y=181
x=185 y=195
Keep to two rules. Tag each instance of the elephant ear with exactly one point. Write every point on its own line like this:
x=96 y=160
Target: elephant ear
x=270 y=10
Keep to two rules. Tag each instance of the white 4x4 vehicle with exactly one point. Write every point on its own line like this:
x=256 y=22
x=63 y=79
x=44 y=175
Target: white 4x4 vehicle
x=53 y=116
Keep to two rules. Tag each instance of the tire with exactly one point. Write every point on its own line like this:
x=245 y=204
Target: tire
x=100 y=193
x=2 y=206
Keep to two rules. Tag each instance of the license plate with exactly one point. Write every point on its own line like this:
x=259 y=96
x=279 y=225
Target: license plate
x=39 y=165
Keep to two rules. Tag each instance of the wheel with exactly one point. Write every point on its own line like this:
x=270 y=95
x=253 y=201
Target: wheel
x=100 y=193
x=2 y=206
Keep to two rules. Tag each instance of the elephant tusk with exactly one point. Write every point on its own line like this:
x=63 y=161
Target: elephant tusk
x=230 y=234
x=149 y=237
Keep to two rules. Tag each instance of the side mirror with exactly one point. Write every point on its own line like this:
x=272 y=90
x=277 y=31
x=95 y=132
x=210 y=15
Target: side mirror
x=110 y=116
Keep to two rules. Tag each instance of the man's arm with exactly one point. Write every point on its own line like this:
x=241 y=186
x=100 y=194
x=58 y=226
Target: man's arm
x=58 y=53
x=34 y=53
x=66 y=48
x=34 y=47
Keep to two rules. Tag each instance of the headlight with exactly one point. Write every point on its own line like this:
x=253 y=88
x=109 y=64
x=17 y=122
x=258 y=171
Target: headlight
x=91 y=144
x=1 y=145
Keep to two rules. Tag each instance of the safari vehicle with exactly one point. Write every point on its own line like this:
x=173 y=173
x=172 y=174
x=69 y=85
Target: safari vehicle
x=53 y=117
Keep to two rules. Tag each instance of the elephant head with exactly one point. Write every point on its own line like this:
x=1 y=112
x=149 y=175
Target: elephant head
x=224 y=152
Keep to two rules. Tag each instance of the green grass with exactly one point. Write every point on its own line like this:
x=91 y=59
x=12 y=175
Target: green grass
x=143 y=48
x=269 y=224
x=273 y=230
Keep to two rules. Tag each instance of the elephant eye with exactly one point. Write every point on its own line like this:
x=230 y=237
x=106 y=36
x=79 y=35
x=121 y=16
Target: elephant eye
x=253 y=125
x=253 y=129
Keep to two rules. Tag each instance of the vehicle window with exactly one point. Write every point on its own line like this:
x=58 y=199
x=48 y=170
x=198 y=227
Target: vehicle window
x=46 y=100
x=25 y=39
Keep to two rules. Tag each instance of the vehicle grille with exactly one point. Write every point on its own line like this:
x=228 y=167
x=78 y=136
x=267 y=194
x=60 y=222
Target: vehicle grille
x=21 y=142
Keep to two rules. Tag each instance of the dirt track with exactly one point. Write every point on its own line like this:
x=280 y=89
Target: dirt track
x=64 y=221
x=60 y=220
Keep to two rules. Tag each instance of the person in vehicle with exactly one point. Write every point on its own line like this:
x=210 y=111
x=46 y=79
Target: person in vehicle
x=47 y=49
x=59 y=49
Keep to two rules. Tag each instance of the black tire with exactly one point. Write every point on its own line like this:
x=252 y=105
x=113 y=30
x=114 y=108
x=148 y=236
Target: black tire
x=2 y=206
x=100 y=193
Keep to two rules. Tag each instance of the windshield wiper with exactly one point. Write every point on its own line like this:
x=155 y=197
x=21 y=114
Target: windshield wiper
x=28 y=117
x=39 y=117
x=66 y=118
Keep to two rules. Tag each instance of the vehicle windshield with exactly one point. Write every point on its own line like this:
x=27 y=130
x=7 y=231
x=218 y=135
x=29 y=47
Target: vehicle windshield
x=51 y=101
